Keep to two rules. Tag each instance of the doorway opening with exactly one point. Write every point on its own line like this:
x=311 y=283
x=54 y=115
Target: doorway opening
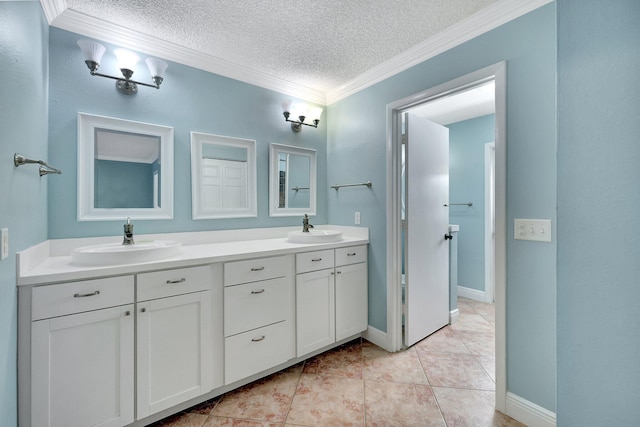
x=395 y=245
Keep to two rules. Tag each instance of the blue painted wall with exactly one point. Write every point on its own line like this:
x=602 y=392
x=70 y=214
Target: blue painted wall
x=356 y=149
x=598 y=213
x=23 y=128
x=466 y=184
x=189 y=100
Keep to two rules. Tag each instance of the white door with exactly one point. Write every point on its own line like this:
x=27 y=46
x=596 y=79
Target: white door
x=427 y=257
x=351 y=300
x=174 y=354
x=315 y=310
x=82 y=369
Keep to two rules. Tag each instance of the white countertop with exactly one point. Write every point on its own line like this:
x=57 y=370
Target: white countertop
x=50 y=261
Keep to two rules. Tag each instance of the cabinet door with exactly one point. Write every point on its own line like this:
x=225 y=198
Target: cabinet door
x=174 y=355
x=82 y=369
x=351 y=300
x=315 y=310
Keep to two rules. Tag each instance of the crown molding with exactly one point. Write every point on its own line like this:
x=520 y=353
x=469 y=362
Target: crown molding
x=52 y=8
x=487 y=19
x=76 y=22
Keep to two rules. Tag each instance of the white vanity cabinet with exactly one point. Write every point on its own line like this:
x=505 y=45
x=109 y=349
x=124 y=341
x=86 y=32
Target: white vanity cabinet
x=258 y=319
x=331 y=296
x=174 y=338
x=351 y=291
x=82 y=347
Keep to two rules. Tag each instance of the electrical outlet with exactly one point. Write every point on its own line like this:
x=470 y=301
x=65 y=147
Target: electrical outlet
x=538 y=230
x=4 y=243
x=357 y=218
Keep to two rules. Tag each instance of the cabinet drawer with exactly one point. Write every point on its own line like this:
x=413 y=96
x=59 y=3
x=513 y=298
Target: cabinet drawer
x=253 y=305
x=255 y=269
x=351 y=255
x=254 y=351
x=311 y=261
x=76 y=297
x=160 y=284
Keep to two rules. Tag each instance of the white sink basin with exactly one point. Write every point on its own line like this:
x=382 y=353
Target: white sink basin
x=117 y=253
x=314 y=236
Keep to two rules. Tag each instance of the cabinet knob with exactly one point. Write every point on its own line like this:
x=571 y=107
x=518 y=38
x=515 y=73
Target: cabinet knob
x=127 y=313
x=339 y=272
x=332 y=273
x=142 y=310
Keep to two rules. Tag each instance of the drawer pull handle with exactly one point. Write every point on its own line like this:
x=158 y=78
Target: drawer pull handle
x=171 y=282
x=316 y=259
x=257 y=269
x=339 y=272
x=352 y=254
x=257 y=292
x=86 y=295
x=258 y=339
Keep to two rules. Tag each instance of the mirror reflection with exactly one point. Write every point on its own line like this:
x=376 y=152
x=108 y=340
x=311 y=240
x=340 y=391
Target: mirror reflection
x=293 y=181
x=125 y=169
x=223 y=176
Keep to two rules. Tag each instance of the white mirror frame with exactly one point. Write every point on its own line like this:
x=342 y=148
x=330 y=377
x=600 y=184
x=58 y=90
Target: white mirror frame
x=197 y=211
x=274 y=179
x=87 y=124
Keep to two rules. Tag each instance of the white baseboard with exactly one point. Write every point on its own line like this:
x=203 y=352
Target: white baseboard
x=473 y=294
x=529 y=413
x=377 y=337
x=453 y=316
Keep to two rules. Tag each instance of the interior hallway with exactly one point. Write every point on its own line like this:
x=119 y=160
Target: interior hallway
x=446 y=379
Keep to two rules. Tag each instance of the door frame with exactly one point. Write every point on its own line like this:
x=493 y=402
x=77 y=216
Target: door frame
x=489 y=204
x=495 y=72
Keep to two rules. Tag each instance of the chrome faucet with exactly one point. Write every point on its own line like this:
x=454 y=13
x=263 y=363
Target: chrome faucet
x=128 y=233
x=305 y=224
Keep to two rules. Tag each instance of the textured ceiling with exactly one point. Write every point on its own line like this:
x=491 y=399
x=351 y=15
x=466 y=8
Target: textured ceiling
x=319 y=44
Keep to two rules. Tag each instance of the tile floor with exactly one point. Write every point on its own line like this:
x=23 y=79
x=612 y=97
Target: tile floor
x=447 y=379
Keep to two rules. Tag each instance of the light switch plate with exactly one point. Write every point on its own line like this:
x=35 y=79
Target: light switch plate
x=538 y=230
x=4 y=243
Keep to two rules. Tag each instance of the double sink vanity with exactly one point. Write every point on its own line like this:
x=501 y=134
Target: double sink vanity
x=113 y=336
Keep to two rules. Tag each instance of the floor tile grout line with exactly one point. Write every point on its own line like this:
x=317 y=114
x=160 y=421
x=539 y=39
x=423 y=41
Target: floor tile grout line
x=295 y=391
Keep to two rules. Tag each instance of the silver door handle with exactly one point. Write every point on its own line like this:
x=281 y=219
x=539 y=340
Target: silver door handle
x=86 y=295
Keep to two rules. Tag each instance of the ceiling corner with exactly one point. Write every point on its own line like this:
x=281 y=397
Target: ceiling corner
x=53 y=8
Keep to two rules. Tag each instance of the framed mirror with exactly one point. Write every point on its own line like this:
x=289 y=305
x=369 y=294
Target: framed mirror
x=292 y=180
x=223 y=177
x=125 y=169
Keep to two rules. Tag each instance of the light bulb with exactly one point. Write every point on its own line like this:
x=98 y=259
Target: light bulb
x=126 y=59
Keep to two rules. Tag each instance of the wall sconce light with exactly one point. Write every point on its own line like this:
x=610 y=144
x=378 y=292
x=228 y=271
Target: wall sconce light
x=302 y=112
x=126 y=62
